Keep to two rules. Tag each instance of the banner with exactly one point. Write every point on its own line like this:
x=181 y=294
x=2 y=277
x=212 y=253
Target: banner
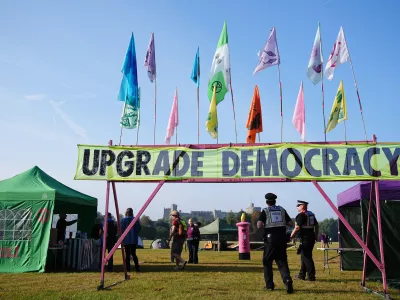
x=331 y=162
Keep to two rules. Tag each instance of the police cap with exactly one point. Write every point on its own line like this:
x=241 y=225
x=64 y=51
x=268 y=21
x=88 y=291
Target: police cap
x=270 y=197
x=301 y=202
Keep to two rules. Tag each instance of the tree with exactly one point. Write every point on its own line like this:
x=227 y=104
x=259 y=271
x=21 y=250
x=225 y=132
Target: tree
x=162 y=223
x=329 y=227
x=148 y=233
x=146 y=221
x=99 y=218
x=230 y=218
x=162 y=232
x=254 y=219
x=202 y=221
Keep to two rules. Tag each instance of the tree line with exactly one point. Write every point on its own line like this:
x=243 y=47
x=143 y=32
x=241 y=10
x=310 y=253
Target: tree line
x=160 y=229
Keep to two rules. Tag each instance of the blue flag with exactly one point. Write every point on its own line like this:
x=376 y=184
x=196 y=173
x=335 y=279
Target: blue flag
x=196 y=69
x=128 y=91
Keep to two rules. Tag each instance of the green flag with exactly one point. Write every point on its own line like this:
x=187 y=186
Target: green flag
x=130 y=115
x=220 y=68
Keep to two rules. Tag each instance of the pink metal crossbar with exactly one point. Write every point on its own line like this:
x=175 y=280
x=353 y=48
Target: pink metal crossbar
x=380 y=264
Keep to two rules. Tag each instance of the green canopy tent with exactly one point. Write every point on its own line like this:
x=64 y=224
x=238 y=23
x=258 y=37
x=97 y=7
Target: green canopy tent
x=218 y=227
x=27 y=204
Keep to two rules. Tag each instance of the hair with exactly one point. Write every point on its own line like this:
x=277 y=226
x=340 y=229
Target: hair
x=190 y=220
x=109 y=215
x=129 y=212
x=271 y=202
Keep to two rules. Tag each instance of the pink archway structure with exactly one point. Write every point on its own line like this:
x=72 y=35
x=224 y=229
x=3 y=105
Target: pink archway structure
x=380 y=264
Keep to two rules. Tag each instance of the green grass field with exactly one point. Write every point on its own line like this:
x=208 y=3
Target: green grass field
x=218 y=276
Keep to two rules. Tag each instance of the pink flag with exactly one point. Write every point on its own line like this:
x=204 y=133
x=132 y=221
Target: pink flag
x=173 y=119
x=299 y=116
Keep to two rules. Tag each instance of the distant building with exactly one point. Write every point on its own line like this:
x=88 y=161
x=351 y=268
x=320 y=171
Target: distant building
x=206 y=214
x=252 y=209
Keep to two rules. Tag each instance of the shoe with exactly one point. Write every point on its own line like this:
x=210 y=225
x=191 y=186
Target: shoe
x=137 y=270
x=270 y=287
x=311 y=279
x=289 y=286
x=176 y=268
x=299 y=277
x=183 y=265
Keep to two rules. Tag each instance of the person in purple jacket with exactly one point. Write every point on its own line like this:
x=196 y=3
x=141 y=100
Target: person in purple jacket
x=193 y=239
x=131 y=239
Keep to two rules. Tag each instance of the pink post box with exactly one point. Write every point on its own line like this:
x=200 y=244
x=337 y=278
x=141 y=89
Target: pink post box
x=244 y=240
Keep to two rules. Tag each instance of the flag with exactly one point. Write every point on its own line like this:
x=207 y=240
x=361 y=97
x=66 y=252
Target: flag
x=220 y=69
x=314 y=68
x=196 y=69
x=173 y=119
x=131 y=115
x=270 y=54
x=299 y=115
x=339 y=55
x=254 y=120
x=128 y=91
x=150 y=61
x=212 y=120
x=339 y=109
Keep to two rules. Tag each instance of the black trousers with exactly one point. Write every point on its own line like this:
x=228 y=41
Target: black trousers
x=275 y=249
x=193 y=246
x=111 y=260
x=130 y=250
x=307 y=262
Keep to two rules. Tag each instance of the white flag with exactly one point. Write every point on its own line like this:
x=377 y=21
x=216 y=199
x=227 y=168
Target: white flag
x=339 y=55
x=314 y=68
x=270 y=54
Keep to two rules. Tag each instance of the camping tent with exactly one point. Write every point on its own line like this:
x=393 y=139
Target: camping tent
x=27 y=204
x=159 y=244
x=218 y=227
x=353 y=204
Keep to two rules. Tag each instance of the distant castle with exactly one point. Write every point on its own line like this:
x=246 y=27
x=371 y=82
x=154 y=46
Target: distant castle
x=209 y=215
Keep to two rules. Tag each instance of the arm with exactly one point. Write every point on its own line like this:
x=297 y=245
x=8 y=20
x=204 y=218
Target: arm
x=171 y=233
x=71 y=222
x=296 y=229
x=261 y=220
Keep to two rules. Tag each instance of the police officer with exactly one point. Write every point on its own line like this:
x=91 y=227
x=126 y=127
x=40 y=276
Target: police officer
x=307 y=226
x=274 y=219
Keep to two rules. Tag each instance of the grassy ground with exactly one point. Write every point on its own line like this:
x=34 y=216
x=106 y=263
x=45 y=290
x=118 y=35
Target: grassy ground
x=218 y=276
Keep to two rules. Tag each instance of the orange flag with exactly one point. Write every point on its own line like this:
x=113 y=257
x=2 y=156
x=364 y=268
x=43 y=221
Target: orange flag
x=254 y=121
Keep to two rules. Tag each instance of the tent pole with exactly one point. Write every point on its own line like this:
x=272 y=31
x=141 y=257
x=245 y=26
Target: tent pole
x=345 y=223
x=119 y=227
x=382 y=253
x=371 y=196
x=124 y=234
x=103 y=252
x=218 y=241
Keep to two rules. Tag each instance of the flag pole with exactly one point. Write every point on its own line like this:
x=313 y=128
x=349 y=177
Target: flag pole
x=233 y=103
x=137 y=135
x=322 y=84
x=155 y=107
x=120 y=135
x=355 y=84
x=345 y=132
x=177 y=111
x=280 y=91
x=259 y=138
x=198 y=115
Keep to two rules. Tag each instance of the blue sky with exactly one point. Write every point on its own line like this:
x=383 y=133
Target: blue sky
x=60 y=74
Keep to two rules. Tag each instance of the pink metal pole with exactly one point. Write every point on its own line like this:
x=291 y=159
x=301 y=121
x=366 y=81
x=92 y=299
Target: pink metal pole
x=119 y=227
x=345 y=223
x=160 y=184
x=378 y=215
x=371 y=196
x=103 y=252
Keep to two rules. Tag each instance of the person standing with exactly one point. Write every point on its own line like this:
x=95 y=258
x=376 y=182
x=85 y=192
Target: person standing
x=61 y=226
x=274 y=220
x=193 y=239
x=131 y=240
x=111 y=239
x=178 y=234
x=307 y=227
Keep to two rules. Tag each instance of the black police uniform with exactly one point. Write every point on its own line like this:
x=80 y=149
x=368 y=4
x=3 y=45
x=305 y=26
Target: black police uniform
x=275 y=243
x=307 y=222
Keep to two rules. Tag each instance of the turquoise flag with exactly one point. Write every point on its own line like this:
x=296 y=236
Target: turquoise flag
x=196 y=69
x=130 y=118
x=128 y=91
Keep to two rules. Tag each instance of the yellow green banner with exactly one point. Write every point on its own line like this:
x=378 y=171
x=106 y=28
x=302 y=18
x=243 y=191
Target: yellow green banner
x=333 y=162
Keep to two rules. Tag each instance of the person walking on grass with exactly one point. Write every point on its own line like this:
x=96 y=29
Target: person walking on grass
x=131 y=240
x=177 y=235
x=193 y=239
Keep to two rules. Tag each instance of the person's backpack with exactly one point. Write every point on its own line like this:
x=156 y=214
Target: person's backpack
x=182 y=229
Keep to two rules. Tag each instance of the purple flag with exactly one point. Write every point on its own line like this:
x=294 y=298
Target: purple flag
x=150 y=61
x=173 y=119
x=270 y=54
